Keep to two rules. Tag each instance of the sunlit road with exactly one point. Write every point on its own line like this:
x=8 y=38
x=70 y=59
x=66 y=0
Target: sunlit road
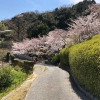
x=54 y=84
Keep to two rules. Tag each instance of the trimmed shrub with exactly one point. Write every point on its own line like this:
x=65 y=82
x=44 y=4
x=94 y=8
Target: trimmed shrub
x=64 y=58
x=84 y=59
x=55 y=59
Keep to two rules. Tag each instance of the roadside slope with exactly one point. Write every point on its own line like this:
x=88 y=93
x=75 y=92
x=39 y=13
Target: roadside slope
x=20 y=92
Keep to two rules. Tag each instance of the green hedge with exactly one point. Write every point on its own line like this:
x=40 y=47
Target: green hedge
x=56 y=59
x=84 y=59
x=64 y=58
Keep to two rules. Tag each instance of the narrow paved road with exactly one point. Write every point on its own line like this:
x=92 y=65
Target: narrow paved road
x=54 y=84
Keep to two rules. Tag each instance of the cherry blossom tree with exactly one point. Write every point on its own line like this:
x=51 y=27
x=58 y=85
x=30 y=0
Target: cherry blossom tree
x=86 y=26
x=56 y=40
x=80 y=29
x=49 y=44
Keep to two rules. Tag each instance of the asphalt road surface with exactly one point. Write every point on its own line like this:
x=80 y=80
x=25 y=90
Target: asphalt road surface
x=54 y=84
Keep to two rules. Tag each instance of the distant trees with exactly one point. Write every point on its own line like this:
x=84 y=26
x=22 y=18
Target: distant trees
x=19 y=26
x=62 y=15
x=80 y=7
x=32 y=24
x=44 y=23
x=40 y=29
x=82 y=28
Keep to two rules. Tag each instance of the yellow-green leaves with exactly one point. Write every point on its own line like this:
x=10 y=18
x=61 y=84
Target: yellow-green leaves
x=84 y=60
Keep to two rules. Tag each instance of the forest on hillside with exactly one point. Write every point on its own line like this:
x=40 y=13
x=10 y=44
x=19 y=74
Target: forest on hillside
x=34 y=24
x=65 y=36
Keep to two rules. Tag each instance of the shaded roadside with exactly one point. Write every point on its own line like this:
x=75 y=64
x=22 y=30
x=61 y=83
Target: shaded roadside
x=76 y=87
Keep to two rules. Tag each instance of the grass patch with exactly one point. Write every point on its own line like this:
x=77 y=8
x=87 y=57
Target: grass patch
x=18 y=77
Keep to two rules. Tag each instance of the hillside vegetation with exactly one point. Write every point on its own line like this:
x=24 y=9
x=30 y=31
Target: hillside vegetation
x=32 y=24
x=33 y=34
x=84 y=62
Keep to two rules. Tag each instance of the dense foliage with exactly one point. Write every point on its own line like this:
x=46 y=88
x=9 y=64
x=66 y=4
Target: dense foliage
x=10 y=77
x=64 y=58
x=32 y=24
x=5 y=78
x=55 y=59
x=45 y=45
x=84 y=61
x=80 y=29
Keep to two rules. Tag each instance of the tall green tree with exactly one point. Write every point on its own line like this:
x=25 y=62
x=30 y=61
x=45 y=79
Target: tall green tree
x=40 y=29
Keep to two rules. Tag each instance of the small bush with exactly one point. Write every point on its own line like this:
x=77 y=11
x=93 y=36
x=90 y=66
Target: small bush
x=56 y=59
x=5 y=78
x=64 y=58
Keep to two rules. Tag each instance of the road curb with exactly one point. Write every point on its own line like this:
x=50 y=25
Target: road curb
x=88 y=95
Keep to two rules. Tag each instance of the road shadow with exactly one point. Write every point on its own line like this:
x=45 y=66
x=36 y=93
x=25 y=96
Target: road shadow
x=84 y=95
x=78 y=89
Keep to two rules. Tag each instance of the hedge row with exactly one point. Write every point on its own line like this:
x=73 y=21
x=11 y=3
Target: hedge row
x=84 y=61
x=64 y=58
x=55 y=60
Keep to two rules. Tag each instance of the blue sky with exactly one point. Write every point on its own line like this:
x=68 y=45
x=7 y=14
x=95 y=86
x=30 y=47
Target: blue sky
x=10 y=8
